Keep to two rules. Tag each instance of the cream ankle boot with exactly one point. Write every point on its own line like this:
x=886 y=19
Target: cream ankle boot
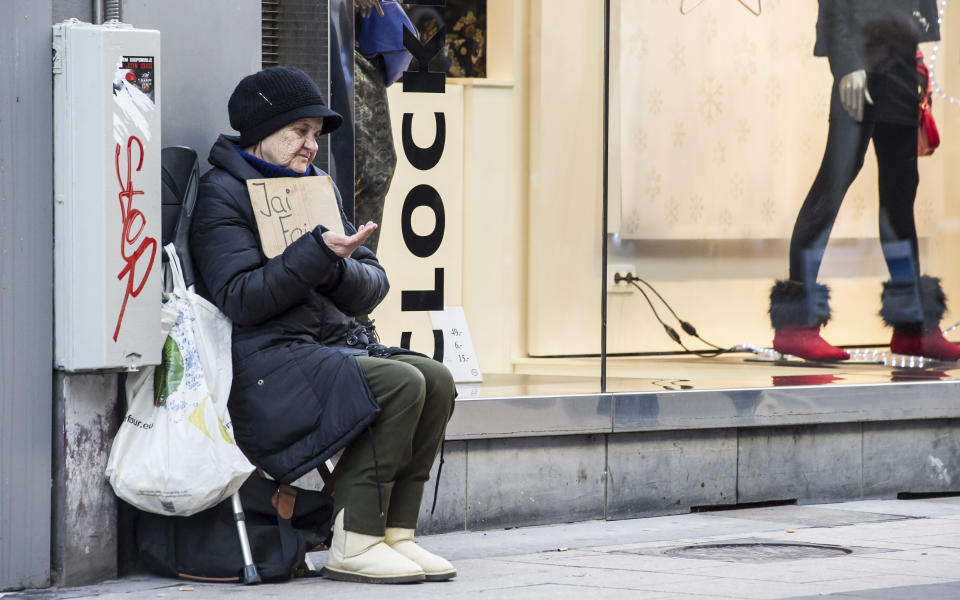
x=434 y=567
x=366 y=559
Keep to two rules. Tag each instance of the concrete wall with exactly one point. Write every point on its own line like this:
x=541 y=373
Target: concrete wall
x=204 y=55
x=512 y=482
x=26 y=280
x=84 y=548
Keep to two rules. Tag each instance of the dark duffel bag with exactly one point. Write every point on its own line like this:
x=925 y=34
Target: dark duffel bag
x=282 y=523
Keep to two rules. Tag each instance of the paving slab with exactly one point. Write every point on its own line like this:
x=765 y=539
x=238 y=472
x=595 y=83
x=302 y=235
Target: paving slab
x=841 y=536
x=906 y=508
x=942 y=591
x=952 y=500
x=570 y=592
x=811 y=516
x=898 y=550
x=587 y=534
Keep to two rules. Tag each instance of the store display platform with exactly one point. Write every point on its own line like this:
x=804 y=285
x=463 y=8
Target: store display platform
x=562 y=395
x=671 y=433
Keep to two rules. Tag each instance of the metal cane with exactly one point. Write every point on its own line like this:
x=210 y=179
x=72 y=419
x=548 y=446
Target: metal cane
x=250 y=574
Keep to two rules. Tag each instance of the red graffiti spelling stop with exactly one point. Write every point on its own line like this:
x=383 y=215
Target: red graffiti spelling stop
x=133 y=249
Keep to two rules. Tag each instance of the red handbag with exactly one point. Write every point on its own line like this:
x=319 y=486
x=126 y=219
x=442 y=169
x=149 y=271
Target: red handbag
x=928 y=138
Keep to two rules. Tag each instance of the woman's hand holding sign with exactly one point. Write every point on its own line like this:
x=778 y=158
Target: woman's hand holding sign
x=344 y=245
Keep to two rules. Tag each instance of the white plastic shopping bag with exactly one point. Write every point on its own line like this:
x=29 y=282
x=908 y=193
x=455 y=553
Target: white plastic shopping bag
x=179 y=458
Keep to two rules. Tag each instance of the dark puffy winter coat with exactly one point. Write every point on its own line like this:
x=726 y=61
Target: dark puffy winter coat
x=298 y=392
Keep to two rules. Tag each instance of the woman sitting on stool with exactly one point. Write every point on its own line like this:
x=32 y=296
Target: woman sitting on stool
x=305 y=384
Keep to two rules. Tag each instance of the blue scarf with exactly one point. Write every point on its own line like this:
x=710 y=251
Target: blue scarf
x=270 y=170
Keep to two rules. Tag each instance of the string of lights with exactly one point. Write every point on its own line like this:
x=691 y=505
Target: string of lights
x=933 y=61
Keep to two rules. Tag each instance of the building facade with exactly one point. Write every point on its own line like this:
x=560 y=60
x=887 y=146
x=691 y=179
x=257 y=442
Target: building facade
x=567 y=142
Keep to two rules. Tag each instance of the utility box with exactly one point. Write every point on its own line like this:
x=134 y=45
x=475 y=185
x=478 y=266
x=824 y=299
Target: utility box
x=107 y=249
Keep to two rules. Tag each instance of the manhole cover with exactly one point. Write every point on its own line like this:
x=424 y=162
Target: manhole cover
x=756 y=552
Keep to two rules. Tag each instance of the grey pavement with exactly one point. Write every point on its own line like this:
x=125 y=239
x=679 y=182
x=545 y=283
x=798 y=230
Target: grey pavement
x=867 y=550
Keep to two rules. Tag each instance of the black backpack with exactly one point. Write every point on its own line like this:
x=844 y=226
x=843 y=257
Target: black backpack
x=206 y=547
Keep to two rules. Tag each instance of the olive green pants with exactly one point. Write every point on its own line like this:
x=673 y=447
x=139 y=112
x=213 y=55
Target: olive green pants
x=415 y=395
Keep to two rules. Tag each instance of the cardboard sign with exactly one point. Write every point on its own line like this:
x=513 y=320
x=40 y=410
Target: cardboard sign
x=288 y=207
x=458 y=353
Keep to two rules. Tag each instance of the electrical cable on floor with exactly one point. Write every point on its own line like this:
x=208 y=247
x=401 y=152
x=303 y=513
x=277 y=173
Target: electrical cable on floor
x=765 y=354
x=687 y=327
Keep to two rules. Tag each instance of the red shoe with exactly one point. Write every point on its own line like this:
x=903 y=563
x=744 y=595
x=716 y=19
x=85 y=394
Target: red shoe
x=804 y=341
x=929 y=343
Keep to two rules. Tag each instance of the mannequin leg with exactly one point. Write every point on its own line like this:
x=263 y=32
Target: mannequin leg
x=800 y=306
x=897 y=182
x=896 y=150
x=913 y=304
x=847 y=143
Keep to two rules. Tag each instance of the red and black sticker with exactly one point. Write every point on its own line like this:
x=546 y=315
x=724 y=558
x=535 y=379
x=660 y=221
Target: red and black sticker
x=138 y=71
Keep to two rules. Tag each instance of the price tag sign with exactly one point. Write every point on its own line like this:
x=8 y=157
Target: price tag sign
x=458 y=353
x=468 y=390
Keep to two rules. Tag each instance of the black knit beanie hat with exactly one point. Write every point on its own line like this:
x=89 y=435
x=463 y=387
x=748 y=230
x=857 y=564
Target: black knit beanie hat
x=266 y=101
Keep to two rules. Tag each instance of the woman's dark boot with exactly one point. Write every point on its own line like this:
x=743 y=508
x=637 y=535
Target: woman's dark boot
x=914 y=311
x=797 y=311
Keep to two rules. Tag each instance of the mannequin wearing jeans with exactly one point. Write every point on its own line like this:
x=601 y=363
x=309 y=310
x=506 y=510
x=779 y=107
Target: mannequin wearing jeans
x=877 y=102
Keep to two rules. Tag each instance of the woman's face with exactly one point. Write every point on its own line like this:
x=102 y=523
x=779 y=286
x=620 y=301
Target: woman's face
x=292 y=147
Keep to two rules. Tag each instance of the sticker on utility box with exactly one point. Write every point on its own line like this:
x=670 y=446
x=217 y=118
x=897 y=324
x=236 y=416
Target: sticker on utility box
x=134 y=99
x=458 y=353
x=138 y=72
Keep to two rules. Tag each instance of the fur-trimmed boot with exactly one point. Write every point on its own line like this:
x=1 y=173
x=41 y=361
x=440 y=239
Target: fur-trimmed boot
x=797 y=312
x=434 y=567
x=914 y=310
x=366 y=559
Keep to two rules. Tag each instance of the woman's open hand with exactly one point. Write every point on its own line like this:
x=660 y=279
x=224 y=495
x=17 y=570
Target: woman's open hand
x=344 y=245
